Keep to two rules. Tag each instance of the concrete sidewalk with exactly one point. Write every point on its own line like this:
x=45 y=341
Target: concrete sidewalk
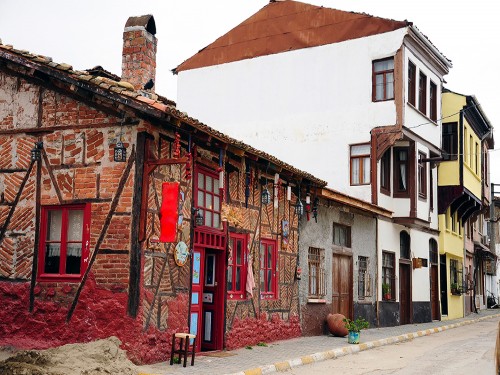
x=282 y=355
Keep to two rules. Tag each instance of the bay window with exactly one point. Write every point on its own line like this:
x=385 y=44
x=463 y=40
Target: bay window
x=401 y=170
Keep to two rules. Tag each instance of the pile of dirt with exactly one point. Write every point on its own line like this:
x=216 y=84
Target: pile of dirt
x=100 y=357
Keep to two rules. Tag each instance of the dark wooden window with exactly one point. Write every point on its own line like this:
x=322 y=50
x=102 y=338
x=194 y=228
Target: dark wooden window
x=404 y=245
x=456 y=277
x=360 y=164
x=450 y=139
x=341 y=235
x=268 y=271
x=422 y=176
x=412 y=87
x=317 y=279
x=383 y=80
x=237 y=266
x=433 y=101
x=401 y=170
x=364 y=280
x=385 y=172
x=433 y=251
x=422 y=93
x=64 y=242
x=208 y=197
x=388 y=276
x=431 y=190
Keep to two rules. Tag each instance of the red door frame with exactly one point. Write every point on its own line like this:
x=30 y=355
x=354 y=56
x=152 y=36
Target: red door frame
x=208 y=239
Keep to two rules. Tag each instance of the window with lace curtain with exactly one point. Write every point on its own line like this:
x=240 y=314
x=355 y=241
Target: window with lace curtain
x=401 y=170
x=64 y=242
x=317 y=279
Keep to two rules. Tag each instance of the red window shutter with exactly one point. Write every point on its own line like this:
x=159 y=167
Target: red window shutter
x=169 y=211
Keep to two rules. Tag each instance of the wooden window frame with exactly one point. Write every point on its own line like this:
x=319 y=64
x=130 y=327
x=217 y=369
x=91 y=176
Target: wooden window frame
x=433 y=101
x=433 y=252
x=476 y=158
x=456 y=277
x=398 y=193
x=336 y=241
x=471 y=150
x=361 y=159
x=265 y=267
x=363 y=277
x=389 y=273
x=317 y=273
x=384 y=73
x=422 y=176
x=214 y=193
x=62 y=275
x=422 y=93
x=412 y=76
x=450 y=139
x=233 y=265
x=385 y=172
x=404 y=245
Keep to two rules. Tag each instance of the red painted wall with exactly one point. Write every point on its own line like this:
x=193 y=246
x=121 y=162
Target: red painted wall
x=254 y=330
x=99 y=314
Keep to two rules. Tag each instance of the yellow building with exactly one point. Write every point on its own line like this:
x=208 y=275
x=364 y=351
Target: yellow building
x=464 y=129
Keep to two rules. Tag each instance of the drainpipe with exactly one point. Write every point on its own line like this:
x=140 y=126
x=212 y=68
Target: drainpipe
x=377 y=312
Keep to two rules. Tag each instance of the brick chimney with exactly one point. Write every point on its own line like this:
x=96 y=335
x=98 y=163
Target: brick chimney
x=139 y=51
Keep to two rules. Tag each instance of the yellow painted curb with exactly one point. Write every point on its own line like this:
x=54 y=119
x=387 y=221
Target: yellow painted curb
x=253 y=371
x=282 y=366
x=363 y=346
x=307 y=359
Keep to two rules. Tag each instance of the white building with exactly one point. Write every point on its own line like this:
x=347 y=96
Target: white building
x=353 y=99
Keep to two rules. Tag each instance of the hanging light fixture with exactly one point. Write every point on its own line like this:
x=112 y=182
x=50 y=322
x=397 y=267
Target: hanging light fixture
x=120 y=152
x=36 y=152
x=265 y=196
x=198 y=217
x=299 y=208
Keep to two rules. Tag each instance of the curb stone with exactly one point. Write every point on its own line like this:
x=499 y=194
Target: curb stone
x=352 y=349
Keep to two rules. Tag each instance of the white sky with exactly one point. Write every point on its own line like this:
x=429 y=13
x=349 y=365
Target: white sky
x=89 y=33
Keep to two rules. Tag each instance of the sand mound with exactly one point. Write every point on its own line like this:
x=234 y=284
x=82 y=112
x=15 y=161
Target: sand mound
x=100 y=357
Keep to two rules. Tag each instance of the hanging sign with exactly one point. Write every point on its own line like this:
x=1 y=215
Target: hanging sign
x=169 y=211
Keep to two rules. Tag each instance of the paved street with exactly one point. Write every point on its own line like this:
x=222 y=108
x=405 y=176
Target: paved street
x=290 y=353
x=463 y=350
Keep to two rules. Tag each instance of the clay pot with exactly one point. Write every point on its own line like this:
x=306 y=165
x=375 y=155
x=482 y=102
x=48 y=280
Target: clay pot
x=336 y=325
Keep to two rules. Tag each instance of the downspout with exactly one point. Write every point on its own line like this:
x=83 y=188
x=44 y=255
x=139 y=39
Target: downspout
x=377 y=306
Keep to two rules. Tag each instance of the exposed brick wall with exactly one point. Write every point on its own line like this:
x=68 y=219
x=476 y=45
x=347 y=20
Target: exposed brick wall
x=139 y=57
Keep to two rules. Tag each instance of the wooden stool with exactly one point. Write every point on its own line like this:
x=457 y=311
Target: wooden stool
x=183 y=351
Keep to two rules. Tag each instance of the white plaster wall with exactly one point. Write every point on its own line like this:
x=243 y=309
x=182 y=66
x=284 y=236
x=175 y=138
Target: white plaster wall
x=20 y=103
x=388 y=240
x=417 y=122
x=304 y=106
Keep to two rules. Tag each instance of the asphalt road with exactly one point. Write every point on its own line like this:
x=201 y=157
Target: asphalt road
x=464 y=350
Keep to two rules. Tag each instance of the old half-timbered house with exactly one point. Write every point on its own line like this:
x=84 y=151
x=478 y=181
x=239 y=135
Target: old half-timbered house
x=338 y=259
x=120 y=215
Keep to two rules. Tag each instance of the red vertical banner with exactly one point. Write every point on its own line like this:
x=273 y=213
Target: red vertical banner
x=169 y=211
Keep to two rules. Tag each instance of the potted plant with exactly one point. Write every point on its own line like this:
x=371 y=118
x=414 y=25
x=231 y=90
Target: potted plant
x=455 y=289
x=386 y=291
x=354 y=327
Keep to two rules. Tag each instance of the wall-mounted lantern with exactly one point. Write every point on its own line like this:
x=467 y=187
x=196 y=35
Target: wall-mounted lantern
x=120 y=152
x=36 y=152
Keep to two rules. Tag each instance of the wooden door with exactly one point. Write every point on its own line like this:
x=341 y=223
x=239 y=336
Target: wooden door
x=342 y=285
x=434 y=292
x=213 y=300
x=404 y=293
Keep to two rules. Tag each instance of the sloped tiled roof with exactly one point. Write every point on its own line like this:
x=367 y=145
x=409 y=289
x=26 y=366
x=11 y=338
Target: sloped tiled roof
x=288 y=25
x=124 y=91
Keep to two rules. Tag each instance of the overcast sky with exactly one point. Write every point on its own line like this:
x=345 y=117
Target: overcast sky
x=89 y=33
